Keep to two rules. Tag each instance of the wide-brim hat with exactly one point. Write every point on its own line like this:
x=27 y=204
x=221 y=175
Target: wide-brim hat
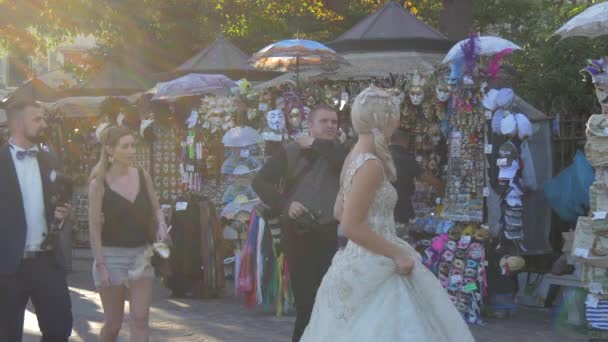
x=597 y=125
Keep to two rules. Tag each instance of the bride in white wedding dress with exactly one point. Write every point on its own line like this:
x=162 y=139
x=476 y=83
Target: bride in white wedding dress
x=376 y=288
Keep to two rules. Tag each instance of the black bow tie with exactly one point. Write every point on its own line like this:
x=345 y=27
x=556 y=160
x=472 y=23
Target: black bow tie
x=29 y=153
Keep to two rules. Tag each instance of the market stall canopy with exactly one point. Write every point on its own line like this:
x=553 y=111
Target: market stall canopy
x=223 y=57
x=32 y=89
x=592 y=22
x=117 y=77
x=381 y=63
x=391 y=28
x=286 y=78
x=81 y=106
x=59 y=79
x=365 y=65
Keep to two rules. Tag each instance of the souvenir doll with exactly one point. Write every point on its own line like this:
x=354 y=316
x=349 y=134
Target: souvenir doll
x=598 y=71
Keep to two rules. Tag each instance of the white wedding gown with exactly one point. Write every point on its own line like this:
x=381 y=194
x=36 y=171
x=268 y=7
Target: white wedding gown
x=362 y=298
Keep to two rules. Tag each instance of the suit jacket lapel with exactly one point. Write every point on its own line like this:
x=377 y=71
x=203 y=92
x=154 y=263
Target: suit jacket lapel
x=6 y=162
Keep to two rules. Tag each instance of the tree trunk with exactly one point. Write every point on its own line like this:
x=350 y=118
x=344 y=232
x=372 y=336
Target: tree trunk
x=456 y=20
x=338 y=6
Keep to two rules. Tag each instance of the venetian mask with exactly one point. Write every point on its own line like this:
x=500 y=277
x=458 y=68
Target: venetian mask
x=442 y=90
x=598 y=70
x=215 y=117
x=416 y=91
x=416 y=95
x=295 y=118
x=275 y=120
x=443 y=93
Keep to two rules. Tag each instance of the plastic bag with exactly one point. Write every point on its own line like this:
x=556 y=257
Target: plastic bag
x=568 y=192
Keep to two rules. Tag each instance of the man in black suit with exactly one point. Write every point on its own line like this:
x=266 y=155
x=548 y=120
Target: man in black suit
x=31 y=262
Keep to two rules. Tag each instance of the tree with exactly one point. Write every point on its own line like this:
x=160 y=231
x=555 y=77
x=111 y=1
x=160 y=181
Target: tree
x=31 y=26
x=546 y=72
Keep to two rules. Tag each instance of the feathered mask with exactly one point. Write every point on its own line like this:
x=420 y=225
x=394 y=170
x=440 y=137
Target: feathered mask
x=471 y=50
x=597 y=70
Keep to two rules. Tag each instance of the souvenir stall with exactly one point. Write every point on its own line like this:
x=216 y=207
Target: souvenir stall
x=191 y=115
x=590 y=245
x=260 y=271
x=483 y=226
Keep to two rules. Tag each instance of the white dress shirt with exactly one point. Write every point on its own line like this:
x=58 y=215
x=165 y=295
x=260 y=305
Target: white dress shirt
x=30 y=183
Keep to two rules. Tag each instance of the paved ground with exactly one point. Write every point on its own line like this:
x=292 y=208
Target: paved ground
x=227 y=320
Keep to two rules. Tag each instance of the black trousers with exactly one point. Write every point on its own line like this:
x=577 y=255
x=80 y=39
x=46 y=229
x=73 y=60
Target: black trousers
x=44 y=282
x=308 y=257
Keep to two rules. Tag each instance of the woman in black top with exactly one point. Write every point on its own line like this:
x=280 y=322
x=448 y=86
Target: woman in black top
x=122 y=208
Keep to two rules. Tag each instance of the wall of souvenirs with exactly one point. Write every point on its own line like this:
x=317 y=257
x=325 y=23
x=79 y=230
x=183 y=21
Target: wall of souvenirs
x=212 y=146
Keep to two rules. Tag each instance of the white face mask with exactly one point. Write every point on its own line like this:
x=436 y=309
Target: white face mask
x=417 y=98
x=276 y=120
x=443 y=94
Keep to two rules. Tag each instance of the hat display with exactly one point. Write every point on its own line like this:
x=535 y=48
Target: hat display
x=237 y=206
x=489 y=100
x=507 y=154
x=508 y=125
x=597 y=125
x=504 y=98
x=241 y=137
x=508 y=172
x=241 y=166
x=524 y=126
x=497 y=119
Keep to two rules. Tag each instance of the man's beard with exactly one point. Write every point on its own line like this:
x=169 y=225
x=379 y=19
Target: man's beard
x=36 y=138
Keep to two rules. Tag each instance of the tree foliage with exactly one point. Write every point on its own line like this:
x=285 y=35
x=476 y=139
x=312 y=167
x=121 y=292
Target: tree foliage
x=546 y=72
x=163 y=33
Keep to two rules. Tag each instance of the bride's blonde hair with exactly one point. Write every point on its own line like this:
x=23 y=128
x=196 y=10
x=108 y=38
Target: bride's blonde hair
x=372 y=110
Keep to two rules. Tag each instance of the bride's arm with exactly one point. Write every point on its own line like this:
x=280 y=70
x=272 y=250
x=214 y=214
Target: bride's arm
x=354 y=212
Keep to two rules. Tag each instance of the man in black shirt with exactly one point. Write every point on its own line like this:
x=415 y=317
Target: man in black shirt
x=300 y=183
x=407 y=170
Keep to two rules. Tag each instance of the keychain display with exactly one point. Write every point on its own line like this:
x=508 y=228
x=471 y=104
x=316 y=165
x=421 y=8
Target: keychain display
x=166 y=163
x=464 y=198
x=458 y=260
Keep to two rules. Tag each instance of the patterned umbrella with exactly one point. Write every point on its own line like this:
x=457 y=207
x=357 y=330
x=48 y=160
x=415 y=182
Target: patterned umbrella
x=297 y=55
x=488 y=46
x=192 y=85
x=592 y=22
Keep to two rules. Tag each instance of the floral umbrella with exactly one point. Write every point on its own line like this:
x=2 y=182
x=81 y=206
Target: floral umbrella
x=592 y=22
x=297 y=55
x=192 y=85
x=488 y=46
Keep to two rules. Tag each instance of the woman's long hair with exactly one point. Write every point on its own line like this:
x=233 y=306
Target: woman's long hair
x=110 y=137
x=371 y=112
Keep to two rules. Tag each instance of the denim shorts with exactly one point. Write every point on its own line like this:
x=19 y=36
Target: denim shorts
x=124 y=264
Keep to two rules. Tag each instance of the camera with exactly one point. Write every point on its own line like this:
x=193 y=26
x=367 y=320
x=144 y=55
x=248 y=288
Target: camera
x=62 y=190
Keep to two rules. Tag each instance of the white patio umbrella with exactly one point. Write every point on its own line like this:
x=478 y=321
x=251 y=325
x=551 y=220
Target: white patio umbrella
x=592 y=22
